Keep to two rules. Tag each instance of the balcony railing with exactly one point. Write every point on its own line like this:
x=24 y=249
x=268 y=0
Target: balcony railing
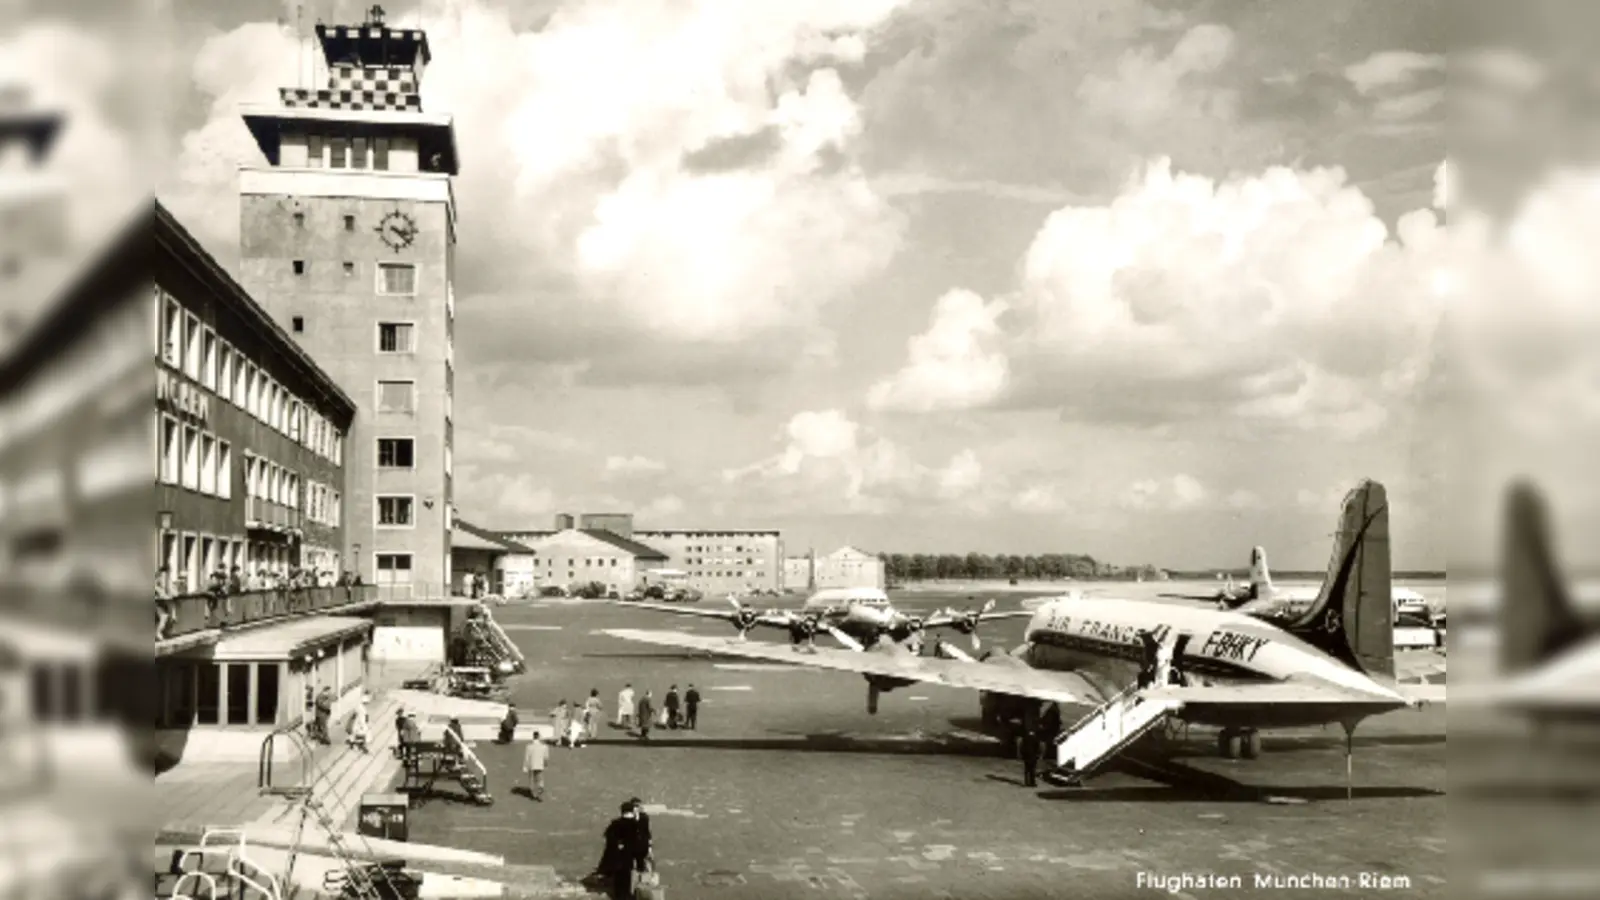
x=201 y=612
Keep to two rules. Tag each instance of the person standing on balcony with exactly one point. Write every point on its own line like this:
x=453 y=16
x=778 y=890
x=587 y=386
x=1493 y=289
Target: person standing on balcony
x=165 y=617
x=236 y=581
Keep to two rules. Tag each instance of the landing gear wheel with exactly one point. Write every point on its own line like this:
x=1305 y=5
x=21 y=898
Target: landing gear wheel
x=1230 y=744
x=1252 y=744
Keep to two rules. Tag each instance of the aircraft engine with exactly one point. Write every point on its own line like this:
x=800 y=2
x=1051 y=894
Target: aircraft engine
x=804 y=629
x=880 y=684
x=745 y=619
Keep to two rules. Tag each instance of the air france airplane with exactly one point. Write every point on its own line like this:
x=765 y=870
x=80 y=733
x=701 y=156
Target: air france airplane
x=856 y=617
x=1334 y=664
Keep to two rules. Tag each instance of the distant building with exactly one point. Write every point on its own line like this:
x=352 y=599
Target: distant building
x=714 y=561
x=573 y=557
x=846 y=567
x=509 y=568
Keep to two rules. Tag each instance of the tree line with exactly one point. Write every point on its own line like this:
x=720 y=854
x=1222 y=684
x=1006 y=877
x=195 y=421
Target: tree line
x=920 y=566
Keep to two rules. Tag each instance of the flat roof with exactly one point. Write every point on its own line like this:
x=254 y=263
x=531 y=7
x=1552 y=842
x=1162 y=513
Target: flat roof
x=280 y=641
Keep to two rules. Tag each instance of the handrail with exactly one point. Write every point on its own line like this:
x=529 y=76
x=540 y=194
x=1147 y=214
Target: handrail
x=1098 y=710
x=236 y=861
x=194 y=613
x=264 y=763
x=204 y=878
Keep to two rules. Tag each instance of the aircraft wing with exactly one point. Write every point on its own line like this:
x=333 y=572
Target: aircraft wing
x=1063 y=687
x=947 y=619
x=774 y=620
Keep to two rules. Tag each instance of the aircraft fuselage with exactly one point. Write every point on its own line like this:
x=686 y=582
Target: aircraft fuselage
x=1099 y=639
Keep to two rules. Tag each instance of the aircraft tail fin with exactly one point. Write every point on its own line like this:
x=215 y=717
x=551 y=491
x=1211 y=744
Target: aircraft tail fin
x=1352 y=618
x=1260 y=575
x=1537 y=619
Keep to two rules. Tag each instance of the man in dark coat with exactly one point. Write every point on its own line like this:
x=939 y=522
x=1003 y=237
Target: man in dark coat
x=671 y=703
x=691 y=708
x=624 y=854
x=646 y=711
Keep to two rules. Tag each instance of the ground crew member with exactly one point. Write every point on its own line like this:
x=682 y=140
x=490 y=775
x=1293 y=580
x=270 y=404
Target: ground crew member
x=672 y=707
x=646 y=709
x=508 y=725
x=691 y=708
x=1029 y=747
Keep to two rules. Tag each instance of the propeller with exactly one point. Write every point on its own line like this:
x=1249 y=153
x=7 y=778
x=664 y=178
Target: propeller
x=967 y=623
x=844 y=639
x=744 y=618
x=805 y=628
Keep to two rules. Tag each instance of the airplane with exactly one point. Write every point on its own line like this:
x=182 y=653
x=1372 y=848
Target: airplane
x=1333 y=664
x=1260 y=597
x=858 y=618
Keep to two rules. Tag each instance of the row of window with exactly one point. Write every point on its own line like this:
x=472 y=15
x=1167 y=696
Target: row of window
x=347 y=152
x=721 y=548
x=194 y=459
x=589 y=562
x=187 y=345
x=393 y=279
x=719 y=561
x=266 y=480
x=323 y=504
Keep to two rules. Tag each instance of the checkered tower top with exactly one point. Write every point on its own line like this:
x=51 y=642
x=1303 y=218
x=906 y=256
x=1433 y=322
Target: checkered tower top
x=370 y=66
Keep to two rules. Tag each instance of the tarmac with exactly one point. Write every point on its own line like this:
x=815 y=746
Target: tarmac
x=790 y=789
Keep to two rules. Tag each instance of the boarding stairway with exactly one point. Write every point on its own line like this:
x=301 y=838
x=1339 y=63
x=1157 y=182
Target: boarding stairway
x=1111 y=728
x=424 y=763
x=488 y=645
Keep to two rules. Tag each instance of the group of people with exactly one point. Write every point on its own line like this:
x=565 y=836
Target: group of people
x=675 y=712
x=224 y=583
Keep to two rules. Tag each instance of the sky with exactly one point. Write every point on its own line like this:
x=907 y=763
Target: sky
x=1150 y=281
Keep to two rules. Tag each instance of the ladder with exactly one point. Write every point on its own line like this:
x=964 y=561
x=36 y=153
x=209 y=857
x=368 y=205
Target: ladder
x=1108 y=730
x=490 y=643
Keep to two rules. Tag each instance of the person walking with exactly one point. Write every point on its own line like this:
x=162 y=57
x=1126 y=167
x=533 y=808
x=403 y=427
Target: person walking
x=560 y=720
x=625 y=706
x=1029 y=748
x=356 y=735
x=691 y=708
x=535 y=759
x=646 y=709
x=672 y=705
x=593 y=712
x=625 y=853
x=508 y=725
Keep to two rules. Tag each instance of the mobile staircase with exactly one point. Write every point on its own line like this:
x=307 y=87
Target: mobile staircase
x=1112 y=727
x=488 y=645
x=451 y=758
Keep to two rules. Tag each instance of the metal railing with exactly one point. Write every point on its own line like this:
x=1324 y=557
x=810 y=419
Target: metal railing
x=259 y=513
x=203 y=612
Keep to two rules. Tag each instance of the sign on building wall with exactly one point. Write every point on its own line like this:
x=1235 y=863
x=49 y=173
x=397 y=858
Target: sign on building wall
x=181 y=398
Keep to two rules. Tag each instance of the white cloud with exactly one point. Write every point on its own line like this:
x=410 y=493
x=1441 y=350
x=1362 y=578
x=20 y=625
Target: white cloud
x=1178 y=493
x=585 y=143
x=1390 y=69
x=660 y=508
x=954 y=364
x=1277 y=299
x=1146 y=88
x=826 y=465
x=633 y=465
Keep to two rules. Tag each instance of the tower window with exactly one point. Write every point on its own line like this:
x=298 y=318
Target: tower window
x=358 y=153
x=314 y=151
x=299 y=267
x=397 y=278
x=349 y=268
x=380 y=154
x=299 y=324
x=396 y=453
x=338 y=153
x=349 y=223
x=299 y=220
x=396 y=337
